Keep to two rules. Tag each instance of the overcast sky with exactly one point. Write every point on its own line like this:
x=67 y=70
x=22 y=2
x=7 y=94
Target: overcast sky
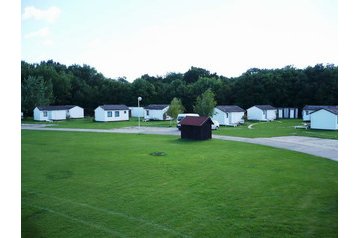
x=131 y=38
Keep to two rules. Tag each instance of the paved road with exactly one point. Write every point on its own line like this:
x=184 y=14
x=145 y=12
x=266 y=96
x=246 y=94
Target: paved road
x=325 y=148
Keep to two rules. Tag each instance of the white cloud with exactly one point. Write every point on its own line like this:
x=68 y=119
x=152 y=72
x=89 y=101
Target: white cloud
x=50 y=14
x=43 y=32
x=48 y=42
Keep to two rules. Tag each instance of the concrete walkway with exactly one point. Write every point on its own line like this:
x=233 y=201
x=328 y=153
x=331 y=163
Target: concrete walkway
x=325 y=148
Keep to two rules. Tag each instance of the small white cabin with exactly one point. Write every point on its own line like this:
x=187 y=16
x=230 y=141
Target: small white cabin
x=156 y=112
x=324 y=119
x=287 y=112
x=308 y=109
x=261 y=113
x=60 y=112
x=106 y=113
x=228 y=115
x=136 y=111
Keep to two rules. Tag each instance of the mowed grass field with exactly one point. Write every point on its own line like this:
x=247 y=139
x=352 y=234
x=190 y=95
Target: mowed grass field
x=282 y=127
x=89 y=123
x=109 y=185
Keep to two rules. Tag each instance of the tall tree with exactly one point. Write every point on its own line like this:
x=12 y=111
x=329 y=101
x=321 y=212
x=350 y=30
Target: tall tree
x=205 y=103
x=175 y=108
x=35 y=92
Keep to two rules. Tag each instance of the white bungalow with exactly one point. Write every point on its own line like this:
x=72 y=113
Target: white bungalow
x=156 y=112
x=308 y=109
x=261 y=113
x=61 y=112
x=325 y=119
x=287 y=112
x=228 y=115
x=106 y=113
x=136 y=111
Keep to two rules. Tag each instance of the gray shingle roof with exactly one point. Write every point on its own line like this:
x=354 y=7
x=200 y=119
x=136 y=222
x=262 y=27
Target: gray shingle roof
x=230 y=108
x=114 y=107
x=156 y=106
x=332 y=110
x=55 y=108
x=265 y=107
x=317 y=107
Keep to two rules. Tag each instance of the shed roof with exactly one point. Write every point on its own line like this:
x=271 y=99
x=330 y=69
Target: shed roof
x=114 y=107
x=194 y=121
x=265 y=107
x=156 y=106
x=55 y=108
x=230 y=108
x=332 y=110
x=317 y=107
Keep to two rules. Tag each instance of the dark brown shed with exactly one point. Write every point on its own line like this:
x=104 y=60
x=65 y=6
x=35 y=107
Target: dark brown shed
x=196 y=128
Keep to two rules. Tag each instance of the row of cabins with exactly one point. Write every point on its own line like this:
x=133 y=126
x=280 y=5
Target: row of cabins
x=104 y=113
x=320 y=117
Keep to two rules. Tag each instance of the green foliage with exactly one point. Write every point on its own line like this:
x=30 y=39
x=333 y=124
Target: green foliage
x=175 y=108
x=205 y=103
x=285 y=87
x=35 y=92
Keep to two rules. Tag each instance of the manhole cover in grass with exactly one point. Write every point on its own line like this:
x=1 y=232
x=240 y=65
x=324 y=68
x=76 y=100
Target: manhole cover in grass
x=158 y=153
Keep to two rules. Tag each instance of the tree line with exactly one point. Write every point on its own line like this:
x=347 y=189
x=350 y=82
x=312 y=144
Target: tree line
x=52 y=83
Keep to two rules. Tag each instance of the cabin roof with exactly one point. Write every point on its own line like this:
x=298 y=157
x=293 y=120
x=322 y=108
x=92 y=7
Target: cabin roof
x=230 y=108
x=114 y=107
x=55 y=107
x=156 y=106
x=195 y=121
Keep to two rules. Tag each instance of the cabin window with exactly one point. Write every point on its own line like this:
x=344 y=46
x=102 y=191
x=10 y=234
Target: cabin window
x=147 y=112
x=125 y=112
x=45 y=114
x=109 y=114
x=116 y=113
x=227 y=115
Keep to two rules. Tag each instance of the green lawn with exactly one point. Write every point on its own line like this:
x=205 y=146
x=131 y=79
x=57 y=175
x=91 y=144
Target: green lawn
x=260 y=129
x=109 y=185
x=281 y=127
x=88 y=123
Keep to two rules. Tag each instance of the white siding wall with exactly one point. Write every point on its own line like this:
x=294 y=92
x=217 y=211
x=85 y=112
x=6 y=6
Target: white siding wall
x=57 y=115
x=306 y=115
x=235 y=117
x=292 y=113
x=325 y=120
x=137 y=111
x=102 y=115
x=280 y=113
x=38 y=115
x=76 y=112
x=271 y=114
x=154 y=114
x=99 y=114
x=254 y=113
x=220 y=116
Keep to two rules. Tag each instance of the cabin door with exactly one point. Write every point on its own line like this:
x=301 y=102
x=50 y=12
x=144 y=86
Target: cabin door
x=265 y=114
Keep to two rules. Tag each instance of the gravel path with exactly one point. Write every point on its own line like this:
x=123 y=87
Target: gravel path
x=325 y=148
